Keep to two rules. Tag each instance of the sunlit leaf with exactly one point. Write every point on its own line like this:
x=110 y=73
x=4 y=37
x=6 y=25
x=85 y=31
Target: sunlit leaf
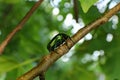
x=86 y=4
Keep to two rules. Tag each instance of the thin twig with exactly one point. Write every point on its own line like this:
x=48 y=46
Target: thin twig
x=19 y=26
x=42 y=76
x=48 y=60
x=76 y=11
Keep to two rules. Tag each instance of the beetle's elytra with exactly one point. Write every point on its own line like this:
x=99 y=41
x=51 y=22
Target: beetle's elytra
x=57 y=41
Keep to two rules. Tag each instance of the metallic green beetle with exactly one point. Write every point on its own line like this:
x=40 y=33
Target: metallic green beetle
x=58 y=40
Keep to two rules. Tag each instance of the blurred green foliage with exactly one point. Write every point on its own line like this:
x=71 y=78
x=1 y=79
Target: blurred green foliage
x=94 y=59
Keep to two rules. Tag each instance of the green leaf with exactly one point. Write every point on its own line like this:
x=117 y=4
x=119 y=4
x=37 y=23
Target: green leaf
x=86 y=4
x=8 y=64
x=2 y=76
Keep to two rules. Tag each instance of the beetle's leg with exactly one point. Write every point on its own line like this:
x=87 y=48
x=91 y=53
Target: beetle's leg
x=67 y=43
x=56 y=51
x=71 y=40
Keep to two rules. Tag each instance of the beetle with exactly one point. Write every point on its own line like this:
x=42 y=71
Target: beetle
x=58 y=40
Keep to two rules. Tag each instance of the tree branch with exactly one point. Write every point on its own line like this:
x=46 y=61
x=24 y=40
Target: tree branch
x=75 y=9
x=19 y=26
x=49 y=59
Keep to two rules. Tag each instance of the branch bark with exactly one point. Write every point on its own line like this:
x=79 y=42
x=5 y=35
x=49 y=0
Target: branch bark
x=19 y=26
x=49 y=59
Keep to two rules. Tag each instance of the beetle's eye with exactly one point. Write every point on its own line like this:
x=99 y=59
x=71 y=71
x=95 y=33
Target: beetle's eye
x=57 y=41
